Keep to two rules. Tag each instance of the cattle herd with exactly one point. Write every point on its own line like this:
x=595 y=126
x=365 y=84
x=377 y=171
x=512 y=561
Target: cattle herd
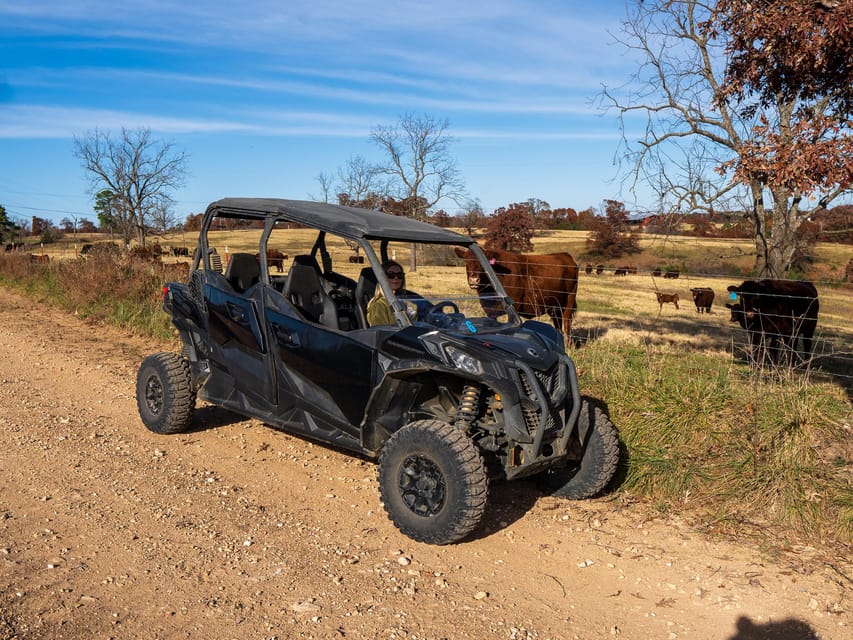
x=779 y=316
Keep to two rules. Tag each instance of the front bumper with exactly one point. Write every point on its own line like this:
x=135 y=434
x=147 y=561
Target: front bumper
x=546 y=416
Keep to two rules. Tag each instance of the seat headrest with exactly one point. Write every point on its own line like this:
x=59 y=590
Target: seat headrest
x=243 y=271
x=307 y=260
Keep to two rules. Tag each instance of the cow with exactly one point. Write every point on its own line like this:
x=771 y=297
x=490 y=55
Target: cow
x=100 y=249
x=703 y=298
x=588 y=268
x=275 y=258
x=621 y=271
x=775 y=315
x=536 y=284
x=664 y=298
x=356 y=259
x=599 y=270
x=180 y=251
x=632 y=271
x=656 y=273
x=144 y=254
x=671 y=273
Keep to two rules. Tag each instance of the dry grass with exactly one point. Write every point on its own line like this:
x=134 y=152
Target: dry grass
x=733 y=447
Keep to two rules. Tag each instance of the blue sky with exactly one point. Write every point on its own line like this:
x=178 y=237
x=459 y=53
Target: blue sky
x=264 y=95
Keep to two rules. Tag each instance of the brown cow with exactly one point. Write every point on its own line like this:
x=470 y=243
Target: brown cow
x=144 y=254
x=663 y=298
x=536 y=284
x=703 y=297
x=275 y=258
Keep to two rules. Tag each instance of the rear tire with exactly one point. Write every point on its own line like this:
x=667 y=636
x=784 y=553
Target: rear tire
x=600 y=459
x=164 y=393
x=433 y=482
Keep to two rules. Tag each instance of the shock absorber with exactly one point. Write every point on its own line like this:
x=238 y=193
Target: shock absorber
x=468 y=406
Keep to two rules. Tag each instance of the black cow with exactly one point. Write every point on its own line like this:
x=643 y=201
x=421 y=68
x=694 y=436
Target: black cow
x=775 y=314
x=672 y=274
x=703 y=297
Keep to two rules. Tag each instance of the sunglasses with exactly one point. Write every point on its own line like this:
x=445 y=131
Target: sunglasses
x=394 y=274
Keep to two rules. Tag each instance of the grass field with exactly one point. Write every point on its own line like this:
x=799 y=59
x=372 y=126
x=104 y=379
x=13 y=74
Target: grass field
x=763 y=452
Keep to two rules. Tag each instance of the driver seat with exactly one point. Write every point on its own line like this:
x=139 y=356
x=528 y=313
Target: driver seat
x=305 y=290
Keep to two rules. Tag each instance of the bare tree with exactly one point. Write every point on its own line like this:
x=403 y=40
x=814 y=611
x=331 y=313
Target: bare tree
x=418 y=160
x=705 y=139
x=163 y=218
x=419 y=163
x=539 y=210
x=138 y=171
x=472 y=217
x=359 y=179
x=325 y=182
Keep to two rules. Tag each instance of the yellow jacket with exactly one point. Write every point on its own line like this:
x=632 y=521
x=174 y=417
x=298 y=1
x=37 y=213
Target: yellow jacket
x=379 y=311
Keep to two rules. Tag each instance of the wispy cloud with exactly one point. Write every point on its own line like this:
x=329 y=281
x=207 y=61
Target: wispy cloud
x=34 y=121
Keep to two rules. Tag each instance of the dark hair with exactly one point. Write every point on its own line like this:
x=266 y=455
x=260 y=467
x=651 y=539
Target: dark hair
x=387 y=264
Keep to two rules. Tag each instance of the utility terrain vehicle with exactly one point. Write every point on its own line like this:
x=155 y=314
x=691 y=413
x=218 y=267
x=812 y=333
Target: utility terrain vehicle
x=273 y=325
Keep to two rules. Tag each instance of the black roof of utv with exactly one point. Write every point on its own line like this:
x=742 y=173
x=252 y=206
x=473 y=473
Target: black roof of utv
x=347 y=222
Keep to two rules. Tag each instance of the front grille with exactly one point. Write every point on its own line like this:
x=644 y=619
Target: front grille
x=550 y=381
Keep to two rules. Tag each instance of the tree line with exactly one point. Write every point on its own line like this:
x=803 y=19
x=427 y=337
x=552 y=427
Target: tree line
x=746 y=106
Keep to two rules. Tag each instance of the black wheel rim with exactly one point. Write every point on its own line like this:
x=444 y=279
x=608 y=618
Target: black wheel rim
x=154 y=395
x=422 y=486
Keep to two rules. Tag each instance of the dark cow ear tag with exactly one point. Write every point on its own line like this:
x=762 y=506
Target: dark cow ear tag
x=732 y=296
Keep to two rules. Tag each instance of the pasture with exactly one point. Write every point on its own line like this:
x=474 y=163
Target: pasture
x=620 y=309
x=731 y=447
x=610 y=308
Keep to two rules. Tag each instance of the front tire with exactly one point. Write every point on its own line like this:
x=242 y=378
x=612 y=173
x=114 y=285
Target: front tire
x=433 y=482
x=164 y=393
x=599 y=460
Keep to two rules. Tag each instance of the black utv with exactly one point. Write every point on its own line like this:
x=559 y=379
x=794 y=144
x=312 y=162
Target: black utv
x=274 y=325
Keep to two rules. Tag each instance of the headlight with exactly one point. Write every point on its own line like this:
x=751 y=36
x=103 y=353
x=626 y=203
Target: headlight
x=462 y=360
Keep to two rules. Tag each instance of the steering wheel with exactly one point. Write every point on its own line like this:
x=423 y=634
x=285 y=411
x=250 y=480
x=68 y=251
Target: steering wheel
x=437 y=315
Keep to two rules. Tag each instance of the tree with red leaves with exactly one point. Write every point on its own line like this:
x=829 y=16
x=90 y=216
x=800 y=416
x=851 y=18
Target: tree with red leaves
x=511 y=228
x=610 y=235
x=745 y=104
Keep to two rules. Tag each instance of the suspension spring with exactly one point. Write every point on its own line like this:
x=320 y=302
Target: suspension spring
x=468 y=406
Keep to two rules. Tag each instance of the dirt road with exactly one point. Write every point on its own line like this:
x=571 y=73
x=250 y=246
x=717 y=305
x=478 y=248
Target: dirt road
x=238 y=531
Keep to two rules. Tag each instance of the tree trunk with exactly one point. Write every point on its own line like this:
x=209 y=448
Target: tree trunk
x=775 y=235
